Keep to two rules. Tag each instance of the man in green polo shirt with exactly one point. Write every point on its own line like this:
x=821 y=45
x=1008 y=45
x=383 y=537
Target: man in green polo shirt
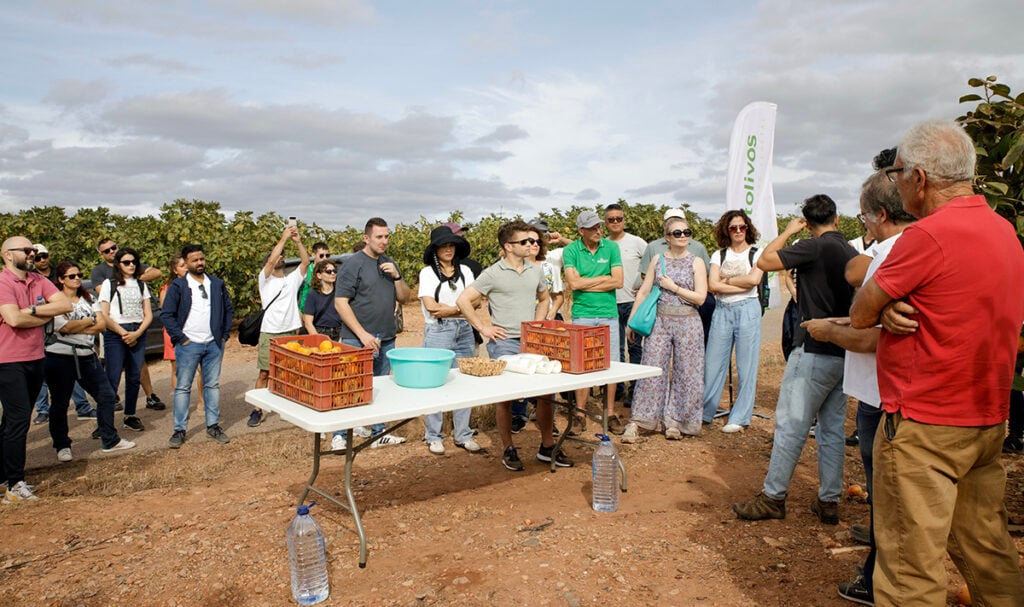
x=593 y=270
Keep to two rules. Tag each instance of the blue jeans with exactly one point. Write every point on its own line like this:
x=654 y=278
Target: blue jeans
x=381 y=366
x=61 y=373
x=455 y=335
x=129 y=359
x=206 y=357
x=812 y=385
x=868 y=419
x=613 y=333
x=733 y=324
x=633 y=351
x=82 y=406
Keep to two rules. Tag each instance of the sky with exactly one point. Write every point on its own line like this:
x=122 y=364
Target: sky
x=338 y=110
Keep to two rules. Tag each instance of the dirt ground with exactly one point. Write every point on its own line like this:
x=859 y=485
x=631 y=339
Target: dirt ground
x=205 y=525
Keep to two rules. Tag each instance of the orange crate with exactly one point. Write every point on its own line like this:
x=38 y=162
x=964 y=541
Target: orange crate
x=580 y=349
x=323 y=381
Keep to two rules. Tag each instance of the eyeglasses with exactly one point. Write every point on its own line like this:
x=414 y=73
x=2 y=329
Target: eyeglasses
x=615 y=219
x=127 y=262
x=28 y=251
x=680 y=233
x=738 y=229
x=526 y=241
x=329 y=271
x=109 y=249
x=73 y=276
x=42 y=255
x=864 y=217
x=202 y=291
x=892 y=173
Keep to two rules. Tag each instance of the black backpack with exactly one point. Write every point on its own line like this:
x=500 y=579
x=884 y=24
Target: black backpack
x=763 y=290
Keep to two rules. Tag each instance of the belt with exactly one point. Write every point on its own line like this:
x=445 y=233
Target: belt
x=670 y=310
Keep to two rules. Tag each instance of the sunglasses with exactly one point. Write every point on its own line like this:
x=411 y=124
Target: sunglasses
x=203 y=293
x=526 y=241
x=322 y=255
x=738 y=229
x=680 y=233
x=42 y=255
x=615 y=219
x=73 y=276
x=109 y=249
x=28 y=251
x=127 y=262
x=330 y=271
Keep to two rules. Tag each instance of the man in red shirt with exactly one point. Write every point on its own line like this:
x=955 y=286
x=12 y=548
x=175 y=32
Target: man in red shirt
x=27 y=302
x=951 y=298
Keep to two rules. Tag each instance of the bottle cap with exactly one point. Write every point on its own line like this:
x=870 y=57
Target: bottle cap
x=303 y=509
x=603 y=437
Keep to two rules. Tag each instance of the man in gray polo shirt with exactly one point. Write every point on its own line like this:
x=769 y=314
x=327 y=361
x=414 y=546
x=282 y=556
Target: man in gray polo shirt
x=516 y=292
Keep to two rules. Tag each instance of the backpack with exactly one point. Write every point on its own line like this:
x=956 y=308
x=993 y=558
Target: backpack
x=763 y=290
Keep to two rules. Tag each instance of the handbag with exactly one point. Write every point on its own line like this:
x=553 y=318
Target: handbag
x=642 y=322
x=249 y=328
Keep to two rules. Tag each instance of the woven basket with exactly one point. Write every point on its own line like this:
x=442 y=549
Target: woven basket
x=481 y=367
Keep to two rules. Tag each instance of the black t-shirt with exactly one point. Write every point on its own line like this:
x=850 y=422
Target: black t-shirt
x=822 y=290
x=321 y=307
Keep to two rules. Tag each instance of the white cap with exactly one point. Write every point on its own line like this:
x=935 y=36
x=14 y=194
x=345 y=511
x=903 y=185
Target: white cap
x=674 y=213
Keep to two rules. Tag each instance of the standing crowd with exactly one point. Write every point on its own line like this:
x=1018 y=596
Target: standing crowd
x=919 y=323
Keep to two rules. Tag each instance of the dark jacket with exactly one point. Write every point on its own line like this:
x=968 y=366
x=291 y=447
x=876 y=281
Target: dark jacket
x=178 y=303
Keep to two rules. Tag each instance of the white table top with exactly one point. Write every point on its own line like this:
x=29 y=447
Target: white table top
x=392 y=402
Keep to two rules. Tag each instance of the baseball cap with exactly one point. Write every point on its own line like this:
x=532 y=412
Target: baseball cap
x=674 y=213
x=587 y=219
x=454 y=227
x=540 y=223
x=40 y=248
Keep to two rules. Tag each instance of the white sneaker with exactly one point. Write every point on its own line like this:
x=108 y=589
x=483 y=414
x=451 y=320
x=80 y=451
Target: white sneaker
x=385 y=440
x=122 y=445
x=64 y=455
x=21 y=492
x=338 y=443
x=362 y=432
x=630 y=433
x=436 y=447
x=731 y=428
x=471 y=445
x=673 y=434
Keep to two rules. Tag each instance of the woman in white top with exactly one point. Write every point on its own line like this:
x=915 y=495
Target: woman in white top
x=737 y=318
x=124 y=301
x=440 y=284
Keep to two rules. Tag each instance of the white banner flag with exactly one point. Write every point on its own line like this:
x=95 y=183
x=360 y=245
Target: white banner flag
x=750 y=174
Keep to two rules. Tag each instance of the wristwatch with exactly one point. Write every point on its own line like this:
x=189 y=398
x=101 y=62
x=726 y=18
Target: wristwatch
x=32 y=310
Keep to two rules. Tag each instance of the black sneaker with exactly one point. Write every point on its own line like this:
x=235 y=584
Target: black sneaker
x=133 y=423
x=856 y=591
x=217 y=434
x=828 y=512
x=177 y=439
x=118 y=405
x=561 y=460
x=96 y=434
x=853 y=440
x=1013 y=445
x=86 y=416
x=153 y=402
x=518 y=424
x=511 y=460
x=255 y=418
x=42 y=418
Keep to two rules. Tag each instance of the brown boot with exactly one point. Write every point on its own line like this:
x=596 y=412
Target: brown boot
x=759 y=508
x=828 y=512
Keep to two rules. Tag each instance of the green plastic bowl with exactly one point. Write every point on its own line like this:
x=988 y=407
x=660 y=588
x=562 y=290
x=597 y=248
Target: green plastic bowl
x=420 y=367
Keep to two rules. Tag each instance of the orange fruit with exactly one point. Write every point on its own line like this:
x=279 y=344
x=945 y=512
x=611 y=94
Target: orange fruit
x=326 y=345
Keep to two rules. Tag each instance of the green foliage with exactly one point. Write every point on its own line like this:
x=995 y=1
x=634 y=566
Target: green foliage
x=996 y=124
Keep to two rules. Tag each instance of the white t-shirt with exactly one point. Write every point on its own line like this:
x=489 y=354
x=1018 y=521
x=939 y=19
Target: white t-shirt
x=283 y=314
x=555 y=258
x=860 y=373
x=736 y=264
x=632 y=249
x=79 y=310
x=126 y=301
x=446 y=295
x=197 y=325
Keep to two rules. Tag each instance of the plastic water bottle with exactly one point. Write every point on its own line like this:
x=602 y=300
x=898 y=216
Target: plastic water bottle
x=308 y=555
x=605 y=466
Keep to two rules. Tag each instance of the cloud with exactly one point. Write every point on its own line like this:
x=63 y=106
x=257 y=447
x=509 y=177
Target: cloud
x=310 y=61
x=311 y=12
x=533 y=192
x=502 y=134
x=160 y=65
x=71 y=94
x=587 y=195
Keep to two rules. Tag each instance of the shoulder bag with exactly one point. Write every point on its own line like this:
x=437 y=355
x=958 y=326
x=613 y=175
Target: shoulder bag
x=249 y=328
x=642 y=322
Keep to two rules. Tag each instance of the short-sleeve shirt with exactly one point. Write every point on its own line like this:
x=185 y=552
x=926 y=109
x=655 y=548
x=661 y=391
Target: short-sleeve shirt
x=321 y=307
x=83 y=342
x=126 y=301
x=445 y=294
x=370 y=293
x=593 y=304
x=962 y=268
x=283 y=314
x=104 y=272
x=23 y=344
x=511 y=295
x=735 y=264
x=631 y=248
x=821 y=282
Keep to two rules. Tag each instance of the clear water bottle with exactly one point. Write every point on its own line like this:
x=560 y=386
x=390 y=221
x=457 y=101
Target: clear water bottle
x=605 y=466
x=308 y=555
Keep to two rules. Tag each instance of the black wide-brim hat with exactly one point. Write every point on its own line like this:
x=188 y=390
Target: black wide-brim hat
x=443 y=235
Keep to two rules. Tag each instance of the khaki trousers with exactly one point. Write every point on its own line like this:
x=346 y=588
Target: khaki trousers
x=940 y=489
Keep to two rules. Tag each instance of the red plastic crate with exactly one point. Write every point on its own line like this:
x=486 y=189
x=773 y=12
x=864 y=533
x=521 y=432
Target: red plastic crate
x=321 y=380
x=580 y=349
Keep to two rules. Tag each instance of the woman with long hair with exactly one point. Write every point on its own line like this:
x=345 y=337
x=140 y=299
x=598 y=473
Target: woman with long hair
x=672 y=401
x=177 y=269
x=442 y=280
x=71 y=356
x=124 y=300
x=736 y=322
x=319 y=316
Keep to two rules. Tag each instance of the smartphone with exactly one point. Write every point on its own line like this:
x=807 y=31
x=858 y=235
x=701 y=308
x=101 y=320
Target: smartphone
x=291 y=221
